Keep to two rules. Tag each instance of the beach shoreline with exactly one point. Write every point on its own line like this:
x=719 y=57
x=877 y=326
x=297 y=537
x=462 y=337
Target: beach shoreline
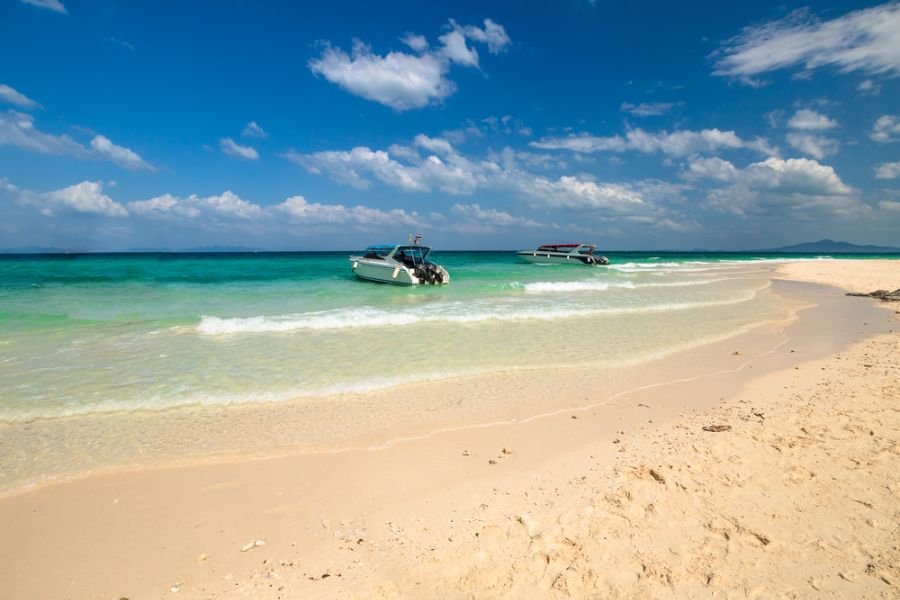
x=339 y=513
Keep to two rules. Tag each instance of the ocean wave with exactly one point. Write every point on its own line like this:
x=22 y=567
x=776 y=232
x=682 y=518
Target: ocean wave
x=574 y=286
x=373 y=317
x=599 y=286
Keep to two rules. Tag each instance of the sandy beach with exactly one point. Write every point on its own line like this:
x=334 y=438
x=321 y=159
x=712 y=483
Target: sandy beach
x=764 y=465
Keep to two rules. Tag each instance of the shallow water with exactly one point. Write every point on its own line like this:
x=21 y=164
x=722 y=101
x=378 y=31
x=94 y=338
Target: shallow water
x=92 y=333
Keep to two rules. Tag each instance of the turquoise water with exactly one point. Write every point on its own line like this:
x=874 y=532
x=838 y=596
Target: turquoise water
x=93 y=333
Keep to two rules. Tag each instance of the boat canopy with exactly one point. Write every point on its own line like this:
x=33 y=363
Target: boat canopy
x=398 y=252
x=564 y=247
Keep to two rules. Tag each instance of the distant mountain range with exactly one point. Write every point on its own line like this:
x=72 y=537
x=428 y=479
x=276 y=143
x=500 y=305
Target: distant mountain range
x=830 y=246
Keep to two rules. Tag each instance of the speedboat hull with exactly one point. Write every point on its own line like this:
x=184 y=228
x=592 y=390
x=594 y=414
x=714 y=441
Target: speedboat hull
x=560 y=258
x=381 y=272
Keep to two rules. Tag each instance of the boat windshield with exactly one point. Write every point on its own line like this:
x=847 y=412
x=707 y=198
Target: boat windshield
x=412 y=254
x=587 y=249
x=378 y=251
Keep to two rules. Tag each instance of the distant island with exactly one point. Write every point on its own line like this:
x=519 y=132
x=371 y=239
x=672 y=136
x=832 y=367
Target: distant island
x=830 y=246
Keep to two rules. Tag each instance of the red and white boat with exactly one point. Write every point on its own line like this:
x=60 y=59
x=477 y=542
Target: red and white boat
x=564 y=254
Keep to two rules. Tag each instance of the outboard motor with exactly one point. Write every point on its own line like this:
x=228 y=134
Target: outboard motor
x=429 y=273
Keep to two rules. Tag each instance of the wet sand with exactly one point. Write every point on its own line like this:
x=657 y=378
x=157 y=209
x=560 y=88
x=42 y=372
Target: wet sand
x=602 y=490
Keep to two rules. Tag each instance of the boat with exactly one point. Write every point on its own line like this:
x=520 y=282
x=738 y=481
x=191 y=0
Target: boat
x=402 y=264
x=571 y=254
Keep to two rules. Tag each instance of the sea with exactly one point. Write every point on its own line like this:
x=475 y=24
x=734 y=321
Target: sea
x=98 y=333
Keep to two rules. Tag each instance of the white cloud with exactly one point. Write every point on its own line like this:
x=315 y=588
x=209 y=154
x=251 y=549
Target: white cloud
x=867 y=86
x=230 y=147
x=579 y=193
x=775 y=187
x=890 y=205
x=457 y=50
x=215 y=211
x=405 y=81
x=888 y=170
x=227 y=206
x=252 y=129
x=434 y=164
x=417 y=42
x=17 y=129
x=647 y=109
x=886 y=129
x=10 y=95
x=810 y=120
x=445 y=169
x=676 y=143
x=399 y=80
x=493 y=34
x=817 y=146
x=299 y=211
x=120 y=155
x=490 y=217
x=863 y=40
x=54 y=5
x=84 y=197
x=163 y=206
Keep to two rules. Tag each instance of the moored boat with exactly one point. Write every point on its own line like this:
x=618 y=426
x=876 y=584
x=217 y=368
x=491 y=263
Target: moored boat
x=572 y=254
x=402 y=264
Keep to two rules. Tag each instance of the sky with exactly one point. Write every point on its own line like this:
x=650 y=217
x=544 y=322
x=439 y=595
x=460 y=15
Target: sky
x=480 y=125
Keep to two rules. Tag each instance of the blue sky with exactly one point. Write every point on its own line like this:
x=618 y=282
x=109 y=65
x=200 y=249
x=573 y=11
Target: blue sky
x=640 y=125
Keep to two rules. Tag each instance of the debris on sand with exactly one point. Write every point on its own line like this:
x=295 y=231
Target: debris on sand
x=252 y=544
x=717 y=428
x=883 y=295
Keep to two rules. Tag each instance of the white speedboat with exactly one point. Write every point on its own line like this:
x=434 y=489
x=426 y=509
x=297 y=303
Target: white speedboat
x=566 y=254
x=403 y=264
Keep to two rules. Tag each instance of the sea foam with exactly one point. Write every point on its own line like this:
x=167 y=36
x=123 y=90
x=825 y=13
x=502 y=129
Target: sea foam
x=447 y=313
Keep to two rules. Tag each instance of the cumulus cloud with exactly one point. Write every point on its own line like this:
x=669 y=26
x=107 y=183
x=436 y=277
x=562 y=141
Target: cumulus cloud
x=444 y=169
x=810 y=120
x=230 y=147
x=676 y=143
x=491 y=218
x=54 y=5
x=797 y=186
x=401 y=80
x=429 y=164
x=578 y=193
x=886 y=129
x=863 y=40
x=252 y=129
x=817 y=146
x=224 y=208
x=647 y=109
x=888 y=170
x=120 y=155
x=10 y=95
x=299 y=211
x=85 y=197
